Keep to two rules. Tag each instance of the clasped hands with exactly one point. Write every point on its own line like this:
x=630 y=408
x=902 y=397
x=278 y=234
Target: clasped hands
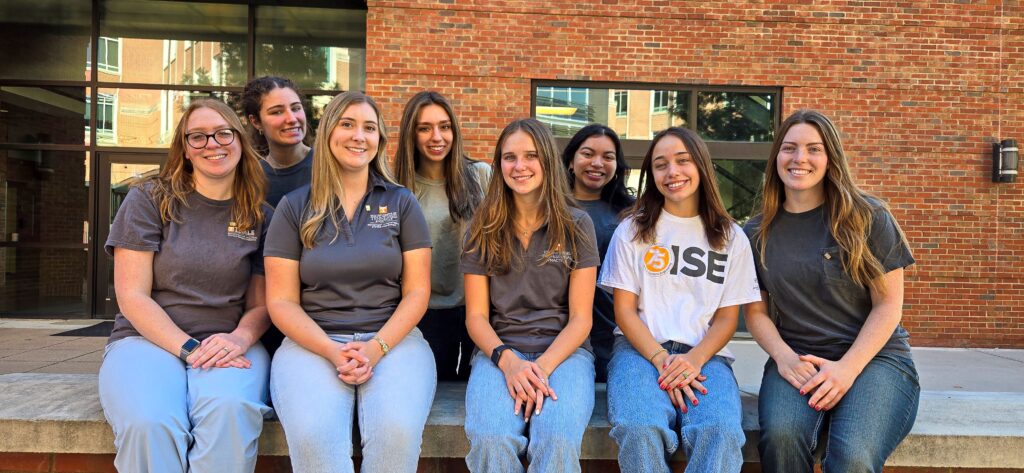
x=221 y=350
x=827 y=381
x=355 y=361
x=527 y=383
x=679 y=376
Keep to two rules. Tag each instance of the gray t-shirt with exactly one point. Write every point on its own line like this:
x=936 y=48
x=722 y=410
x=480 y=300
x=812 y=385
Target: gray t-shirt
x=817 y=307
x=606 y=220
x=446 y=289
x=530 y=303
x=201 y=266
x=353 y=283
x=284 y=180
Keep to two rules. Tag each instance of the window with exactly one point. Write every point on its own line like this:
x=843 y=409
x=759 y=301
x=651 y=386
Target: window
x=659 y=101
x=621 y=103
x=736 y=123
x=104 y=117
x=109 y=58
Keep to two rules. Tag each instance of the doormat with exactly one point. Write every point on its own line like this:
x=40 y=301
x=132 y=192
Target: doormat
x=101 y=329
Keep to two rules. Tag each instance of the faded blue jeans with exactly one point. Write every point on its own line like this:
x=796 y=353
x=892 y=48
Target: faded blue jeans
x=551 y=441
x=648 y=428
x=862 y=430
x=169 y=417
x=317 y=409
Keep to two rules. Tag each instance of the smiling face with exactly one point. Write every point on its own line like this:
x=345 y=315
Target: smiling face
x=434 y=133
x=213 y=161
x=593 y=166
x=676 y=176
x=355 y=138
x=520 y=165
x=802 y=163
x=282 y=118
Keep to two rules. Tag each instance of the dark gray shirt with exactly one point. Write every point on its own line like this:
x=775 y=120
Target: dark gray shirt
x=201 y=266
x=530 y=304
x=284 y=180
x=353 y=283
x=606 y=220
x=817 y=307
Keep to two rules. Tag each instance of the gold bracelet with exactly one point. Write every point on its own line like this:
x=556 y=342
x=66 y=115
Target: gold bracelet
x=651 y=358
x=384 y=348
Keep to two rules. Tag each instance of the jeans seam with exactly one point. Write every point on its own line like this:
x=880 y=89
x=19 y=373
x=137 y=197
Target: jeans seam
x=816 y=434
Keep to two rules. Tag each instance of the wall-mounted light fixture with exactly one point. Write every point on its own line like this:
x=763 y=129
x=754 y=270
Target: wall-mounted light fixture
x=1004 y=161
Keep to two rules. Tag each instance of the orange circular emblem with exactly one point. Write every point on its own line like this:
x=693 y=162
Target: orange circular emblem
x=657 y=259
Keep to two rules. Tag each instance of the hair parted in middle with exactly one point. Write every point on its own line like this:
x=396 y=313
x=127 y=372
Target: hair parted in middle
x=615 y=192
x=171 y=187
x=850 y=209
x=325 y=185
x=460 y=183
x=492 y=231
x=717 y=221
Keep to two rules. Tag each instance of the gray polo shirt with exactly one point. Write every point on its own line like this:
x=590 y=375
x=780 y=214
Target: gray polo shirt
x=284 y=180
x=353 y=284
x=530 y=303
x=201 y=266
x=818 y=309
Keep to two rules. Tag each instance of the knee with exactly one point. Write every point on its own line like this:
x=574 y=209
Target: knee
x=233 y=406
x=637 y=430
x=851 y=461
x=150 y=424
x=721 y=432
x=554 y=445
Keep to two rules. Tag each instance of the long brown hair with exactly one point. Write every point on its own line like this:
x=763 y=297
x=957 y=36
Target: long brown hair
x=850 y=209
x=324 y=203
x=647 y=209
x=460 y=182
x=492 y=231
x=171 y=187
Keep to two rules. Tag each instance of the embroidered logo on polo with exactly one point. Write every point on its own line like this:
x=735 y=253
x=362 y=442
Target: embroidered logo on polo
x=233 y=231
x=383 y=218
x=695 y=262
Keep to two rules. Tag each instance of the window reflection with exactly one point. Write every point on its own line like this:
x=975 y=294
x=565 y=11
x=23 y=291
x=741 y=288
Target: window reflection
x=44 y=39
x=632 y=113
x=146 y=118
x=317 y=48
x=43 y=115
x=735 y=116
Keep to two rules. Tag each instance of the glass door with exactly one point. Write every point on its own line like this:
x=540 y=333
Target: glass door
x=118 y=171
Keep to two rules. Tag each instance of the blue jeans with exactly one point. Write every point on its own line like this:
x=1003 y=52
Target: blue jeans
x=168 y=417
x=648 y=428
x=317 y=409
x=862 y=429
x=551 y=441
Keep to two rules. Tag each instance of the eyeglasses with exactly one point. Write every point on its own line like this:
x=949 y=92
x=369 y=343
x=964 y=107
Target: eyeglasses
x=199 y=140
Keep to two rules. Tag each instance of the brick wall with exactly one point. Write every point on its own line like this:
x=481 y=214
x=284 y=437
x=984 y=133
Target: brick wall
x=919 y=89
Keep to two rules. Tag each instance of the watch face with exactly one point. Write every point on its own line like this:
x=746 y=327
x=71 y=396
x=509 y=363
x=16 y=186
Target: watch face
x=190 y=346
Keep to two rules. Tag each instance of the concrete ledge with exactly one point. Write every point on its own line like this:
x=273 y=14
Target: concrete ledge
x=60 y=413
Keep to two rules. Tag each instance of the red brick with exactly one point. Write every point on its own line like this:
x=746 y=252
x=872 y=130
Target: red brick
x=83 y=463
x=25 y=462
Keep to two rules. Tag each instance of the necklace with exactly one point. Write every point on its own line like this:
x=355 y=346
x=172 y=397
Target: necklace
x=526 y=230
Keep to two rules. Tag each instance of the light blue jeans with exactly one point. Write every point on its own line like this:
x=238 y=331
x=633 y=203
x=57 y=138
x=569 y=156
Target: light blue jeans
x=552 y=439
x=316 y=408
x=168 y=417
x=648 y=428
x=862 y=429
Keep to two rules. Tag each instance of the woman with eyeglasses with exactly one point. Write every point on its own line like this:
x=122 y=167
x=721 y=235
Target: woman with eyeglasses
x=183 y=382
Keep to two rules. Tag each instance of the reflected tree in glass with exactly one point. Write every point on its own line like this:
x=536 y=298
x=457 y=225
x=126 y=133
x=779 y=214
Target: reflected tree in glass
x=735 y=116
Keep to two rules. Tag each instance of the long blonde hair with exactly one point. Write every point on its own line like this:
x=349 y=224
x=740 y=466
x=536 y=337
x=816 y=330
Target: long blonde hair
x=324 y=203
x=171 y=187
x=850 y=209
x=492 y=231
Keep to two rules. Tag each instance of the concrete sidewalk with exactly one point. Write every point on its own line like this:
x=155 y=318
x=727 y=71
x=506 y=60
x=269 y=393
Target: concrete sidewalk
x=27 y=346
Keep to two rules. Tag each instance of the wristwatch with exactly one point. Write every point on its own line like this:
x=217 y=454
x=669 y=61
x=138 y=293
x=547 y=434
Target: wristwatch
x=496 y=353
x=187 y=348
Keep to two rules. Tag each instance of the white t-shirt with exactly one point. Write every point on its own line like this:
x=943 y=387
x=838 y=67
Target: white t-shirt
x=680 y=281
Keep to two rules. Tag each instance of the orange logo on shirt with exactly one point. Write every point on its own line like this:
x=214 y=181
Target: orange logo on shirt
x=383 y=209
x=657 y=259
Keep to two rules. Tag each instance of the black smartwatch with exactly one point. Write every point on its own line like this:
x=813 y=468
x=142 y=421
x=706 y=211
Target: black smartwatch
x=187 y=348
x=496 y=353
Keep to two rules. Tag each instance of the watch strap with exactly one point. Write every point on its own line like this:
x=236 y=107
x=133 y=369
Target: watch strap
x=496 y=353
x=187 y=348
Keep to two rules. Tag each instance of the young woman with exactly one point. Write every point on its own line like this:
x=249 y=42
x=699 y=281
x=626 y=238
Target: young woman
x=597 y=177
x=680 y=268
x=830 y=263
x=184 y=378
x=530 y=266
x=277 y=122
x=449 y=186
x=348 y=278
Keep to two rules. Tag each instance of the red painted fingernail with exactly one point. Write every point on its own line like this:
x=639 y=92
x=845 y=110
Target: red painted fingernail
x=695 y=402
x=663 y=386
x=704 y=391
x=681 y=385
x=802 y=392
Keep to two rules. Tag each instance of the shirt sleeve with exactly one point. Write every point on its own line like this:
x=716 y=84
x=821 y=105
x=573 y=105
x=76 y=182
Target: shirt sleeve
x=886 y=242
x=137 y=225
x=483 y=174
x=586 y=243
x=741 y=285
x=283 y=234
x=750 y=229
x=470 y=262
x=414 y=232
x=620 y=264
x=256 y=259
